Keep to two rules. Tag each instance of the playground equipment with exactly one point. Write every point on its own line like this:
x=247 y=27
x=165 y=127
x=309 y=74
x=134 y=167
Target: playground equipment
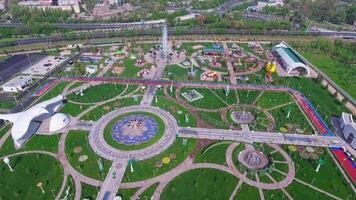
x=270 y=69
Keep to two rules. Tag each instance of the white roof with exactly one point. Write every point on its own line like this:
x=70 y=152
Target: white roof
x=22 y=129
x=17 y=81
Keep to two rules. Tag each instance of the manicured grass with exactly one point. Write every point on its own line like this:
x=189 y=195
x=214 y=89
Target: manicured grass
x=29 y=170
x=274 y=194
x=296 y=117
x=55 y=91
x=89 y=192
x=7 y=105
x=100 y=111
x=180 y=74
x=247 y=96
x=247 y=192
x=214 y=119
x=216 y=154
x=4 y=130
x=108 y=132
x=71 y=186
x=90 y=167
x=342 y=74
x=189 y=47
x=209 y=101
x=324 y=103
x=127 y=193
x=37 y=142
x=149 y=191
x=98 y=93
x=130 y=69
x=76 y=84
x=230 y=98
x=200 y=184
x=272 y=99
x=300 y=191
x=73 y=109
x=173 y=108
x=146 y=169
x=329 y=177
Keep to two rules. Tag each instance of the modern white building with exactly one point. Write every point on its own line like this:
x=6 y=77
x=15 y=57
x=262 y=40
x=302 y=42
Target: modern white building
x=26 y=123
x=289 y=60
x=17 y=84
x=348 y=127
x=91 y=69
x=262 y=4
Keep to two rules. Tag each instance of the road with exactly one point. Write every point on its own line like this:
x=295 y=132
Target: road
x=262 y=137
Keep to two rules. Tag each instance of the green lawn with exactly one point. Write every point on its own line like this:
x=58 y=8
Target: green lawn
x=213 y=154
x=178 y=73
x=37 y=142
x=110 y=141
x=214 y=119
x=4 y=130
x=272 y=99
x=200 y=184
x=89 y=192
x=90 y=167
x=328 y=178
x=70 y=187
x=296 y=117
x=102 y=110
x=209 y=101
x=55 y=91
x=174 y=108
x=73 y=109
x=342 y=74
x=149 y=191
x=247 y=192
x=29 y=170
x=300 y=191
x=247 y=96
x=127 y=193
x=274 y=194
x=130 y=69
x=146 y=169
x=98 y=93
x=7 y=104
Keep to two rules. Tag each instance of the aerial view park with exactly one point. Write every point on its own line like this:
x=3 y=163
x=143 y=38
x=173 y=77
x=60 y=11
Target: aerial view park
x=169 y=116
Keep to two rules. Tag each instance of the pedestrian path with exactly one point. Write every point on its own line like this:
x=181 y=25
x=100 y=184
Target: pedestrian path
x=113 y=179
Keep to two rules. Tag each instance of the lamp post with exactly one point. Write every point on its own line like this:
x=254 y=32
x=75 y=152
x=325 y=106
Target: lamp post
x=7 y=162
x=39 y=185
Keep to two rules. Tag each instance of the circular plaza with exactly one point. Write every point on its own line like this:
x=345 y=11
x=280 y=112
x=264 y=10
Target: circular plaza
x=135 y=132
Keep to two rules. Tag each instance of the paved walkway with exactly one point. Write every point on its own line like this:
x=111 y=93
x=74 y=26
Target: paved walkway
x=113 y=179
x=230 y=68
x=262 y=137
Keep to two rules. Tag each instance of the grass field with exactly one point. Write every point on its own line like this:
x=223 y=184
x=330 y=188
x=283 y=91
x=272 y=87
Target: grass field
x=89 y=167
x=55 y=91
x=29 y=170
x=146 y=169
x=174 y=108
x=73 y=109
x=98 y=93
x=200 y=184
x=89 y=192
x=342 y=74
x=215 y=154
x=209 y=101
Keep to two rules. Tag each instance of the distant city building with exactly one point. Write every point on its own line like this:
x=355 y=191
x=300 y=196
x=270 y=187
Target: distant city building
x=2 y=5
x=17 y=84
x=262 y=4
x=289 y=60
x=102 y=11
x=91 y=69
x=67 y=5
x=348 y=127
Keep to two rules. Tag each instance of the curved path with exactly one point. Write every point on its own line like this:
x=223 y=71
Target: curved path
x=98 y=144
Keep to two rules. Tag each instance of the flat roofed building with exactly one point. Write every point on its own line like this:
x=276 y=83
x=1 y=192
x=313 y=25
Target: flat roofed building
x=17 y=84
x=291 y=63
x=348 y=127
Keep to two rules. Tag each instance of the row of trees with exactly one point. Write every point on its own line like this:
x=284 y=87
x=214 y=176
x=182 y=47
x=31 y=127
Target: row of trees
x=325 y=10
x=344 y=51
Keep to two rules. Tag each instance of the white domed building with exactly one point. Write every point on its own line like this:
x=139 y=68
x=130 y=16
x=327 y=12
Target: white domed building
x=40 y=116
